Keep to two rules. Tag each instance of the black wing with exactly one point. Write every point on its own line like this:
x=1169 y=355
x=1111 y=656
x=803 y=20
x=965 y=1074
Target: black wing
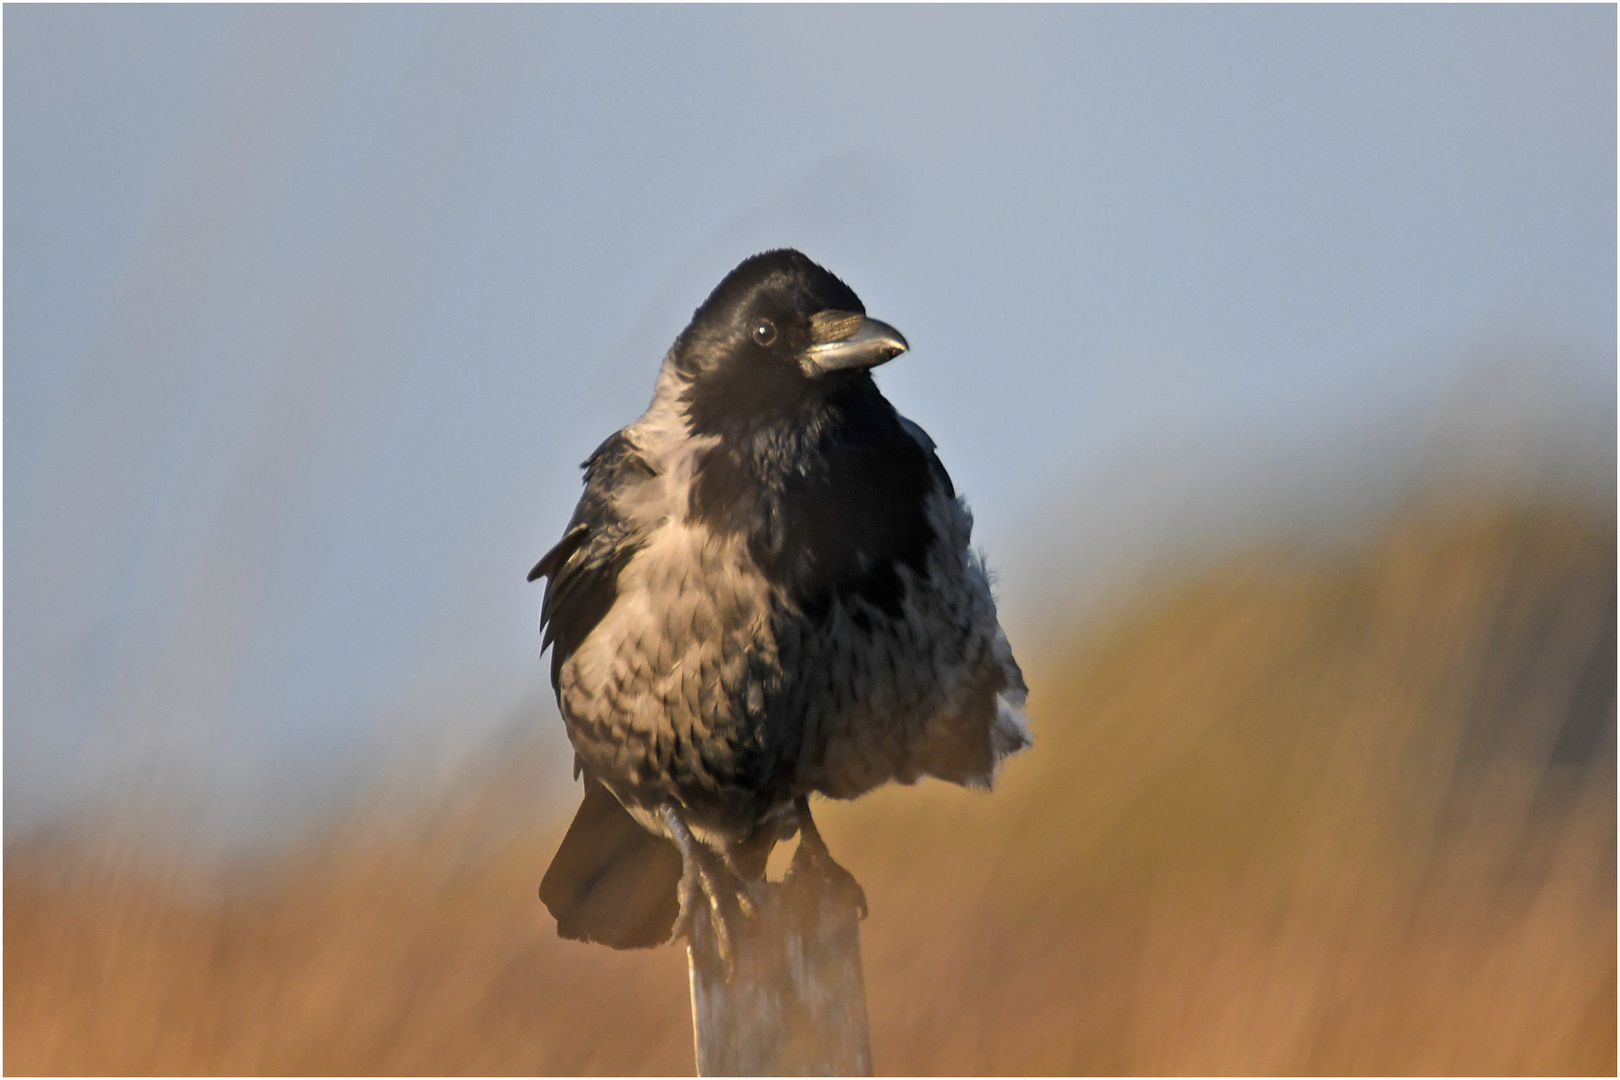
x=582 y=570
x=941 y=477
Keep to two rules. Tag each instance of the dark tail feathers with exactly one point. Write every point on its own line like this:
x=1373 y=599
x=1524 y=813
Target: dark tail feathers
x=612 y=881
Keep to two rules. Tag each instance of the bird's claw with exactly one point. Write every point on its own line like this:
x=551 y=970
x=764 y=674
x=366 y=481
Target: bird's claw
x=815 y=860
x=705 y=883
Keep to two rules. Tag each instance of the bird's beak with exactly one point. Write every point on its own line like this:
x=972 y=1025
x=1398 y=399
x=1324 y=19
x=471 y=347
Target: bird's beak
x=845 y=341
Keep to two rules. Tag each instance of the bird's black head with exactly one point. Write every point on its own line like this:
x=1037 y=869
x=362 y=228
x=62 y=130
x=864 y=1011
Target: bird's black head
x=775 y=339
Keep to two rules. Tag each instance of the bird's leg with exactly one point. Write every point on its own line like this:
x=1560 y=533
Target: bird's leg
x=813 y=857
x=705 y=879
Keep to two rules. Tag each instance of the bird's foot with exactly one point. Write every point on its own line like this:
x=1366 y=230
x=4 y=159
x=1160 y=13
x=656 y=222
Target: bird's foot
x=708 y=885
x=819 y=864
x=813 y=859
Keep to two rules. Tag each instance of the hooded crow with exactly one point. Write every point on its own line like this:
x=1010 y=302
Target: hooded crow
x=765 y=592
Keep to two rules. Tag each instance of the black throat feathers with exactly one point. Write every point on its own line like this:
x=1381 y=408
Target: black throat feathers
x=832 y=497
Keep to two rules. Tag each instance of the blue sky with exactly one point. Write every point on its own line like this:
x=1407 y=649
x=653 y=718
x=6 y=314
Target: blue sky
x=310 y=313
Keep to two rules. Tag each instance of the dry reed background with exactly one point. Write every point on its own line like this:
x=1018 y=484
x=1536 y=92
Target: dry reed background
x=1305 y=814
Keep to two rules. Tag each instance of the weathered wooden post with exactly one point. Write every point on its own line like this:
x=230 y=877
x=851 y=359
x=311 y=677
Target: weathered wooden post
x=796 y=1003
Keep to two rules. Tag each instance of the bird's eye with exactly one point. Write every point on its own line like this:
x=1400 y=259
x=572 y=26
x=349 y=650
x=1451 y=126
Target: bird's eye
x=764 y=331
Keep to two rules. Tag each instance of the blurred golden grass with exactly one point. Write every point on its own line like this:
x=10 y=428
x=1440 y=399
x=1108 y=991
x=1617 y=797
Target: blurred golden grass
x=1296 y=817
